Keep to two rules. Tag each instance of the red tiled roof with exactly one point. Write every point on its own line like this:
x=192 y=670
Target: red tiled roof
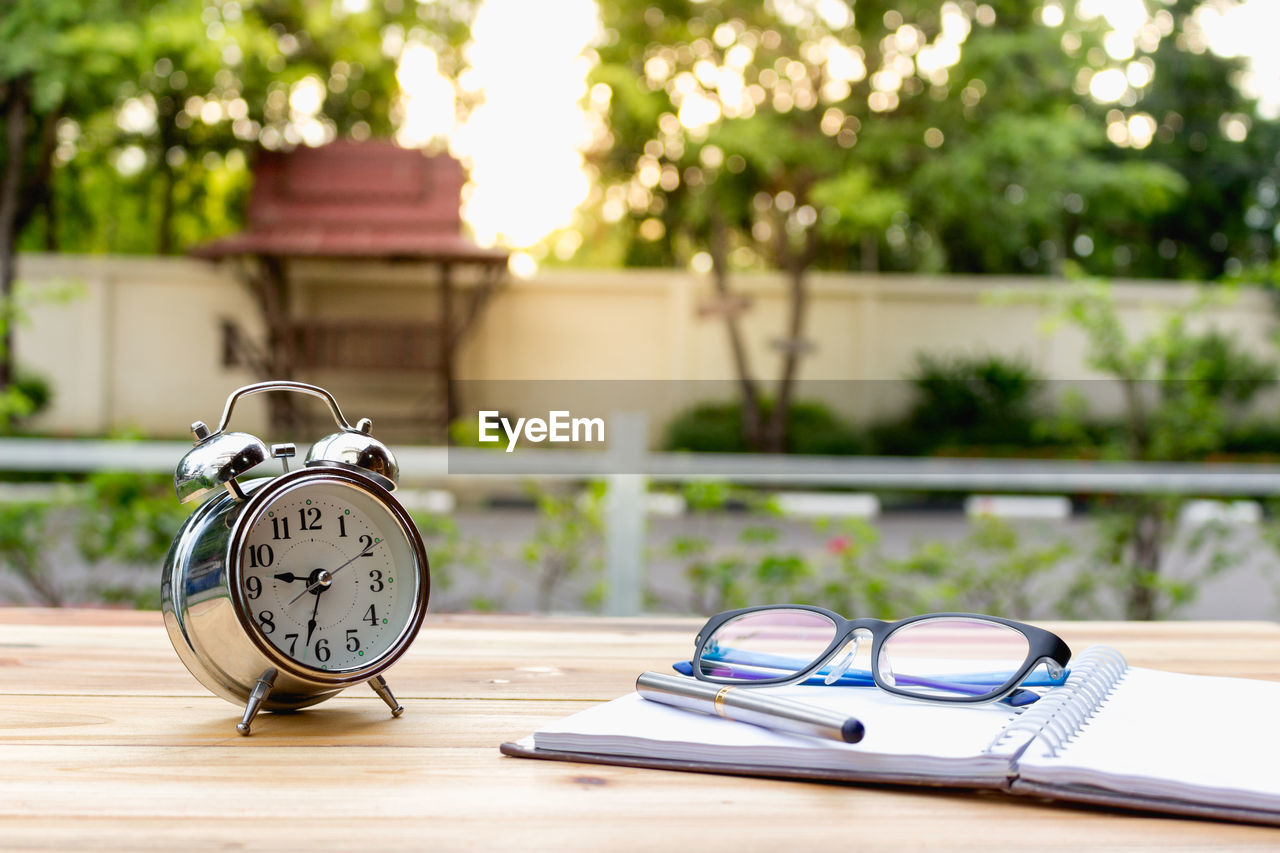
x=355 y=200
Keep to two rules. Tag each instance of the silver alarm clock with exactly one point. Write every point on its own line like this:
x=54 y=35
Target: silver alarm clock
x=280 y=592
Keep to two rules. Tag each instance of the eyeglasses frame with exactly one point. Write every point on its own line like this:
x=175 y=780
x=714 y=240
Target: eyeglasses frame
x=1042 y=647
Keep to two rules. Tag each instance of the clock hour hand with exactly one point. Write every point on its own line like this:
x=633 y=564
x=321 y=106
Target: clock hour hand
x=289 y=577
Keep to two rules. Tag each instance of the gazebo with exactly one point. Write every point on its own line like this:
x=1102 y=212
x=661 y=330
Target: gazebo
x=355 y=201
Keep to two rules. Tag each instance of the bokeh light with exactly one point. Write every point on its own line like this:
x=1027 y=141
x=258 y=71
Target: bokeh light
x=524 y=141
x=524 y=136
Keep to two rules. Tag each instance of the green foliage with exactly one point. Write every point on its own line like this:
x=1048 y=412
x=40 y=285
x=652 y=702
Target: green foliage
x=21 y=400
x=24 y=548
x=750 y=177
x=448 y=552
x=990 y=570
x=1000 y=162
x=718 y=428
x=966 y=401
x=996 y=194
x=1225 y=218
x=567 y=540
x=127 y=517
x=123 y=519
x=1132 y=535
x=185 y=178
x=465 y=432
x=858 y=582
x=1181 y=390
x=1270 y=534
x=37 y=391
x=28 y=394
x=1252 y=437
x=1181 y=387
x=718 y=577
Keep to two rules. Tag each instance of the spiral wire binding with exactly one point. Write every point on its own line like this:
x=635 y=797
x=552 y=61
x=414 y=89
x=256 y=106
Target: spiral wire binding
x=1059 y=715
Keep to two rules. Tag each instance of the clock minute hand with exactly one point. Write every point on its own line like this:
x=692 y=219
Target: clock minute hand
x=320 y=581
x=353 y=559
x=311 y=623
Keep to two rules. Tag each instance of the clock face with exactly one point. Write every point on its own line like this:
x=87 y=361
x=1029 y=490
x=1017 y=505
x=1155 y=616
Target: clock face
x=329 y=575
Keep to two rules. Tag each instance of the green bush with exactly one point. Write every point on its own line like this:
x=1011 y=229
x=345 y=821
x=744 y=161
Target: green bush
x=26 y=397
x=965 y=401
x=812 y=428
x=1253 y=438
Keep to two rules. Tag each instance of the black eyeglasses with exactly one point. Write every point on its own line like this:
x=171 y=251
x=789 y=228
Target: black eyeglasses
x=939 y=657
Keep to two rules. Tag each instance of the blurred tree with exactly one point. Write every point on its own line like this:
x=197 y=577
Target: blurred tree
x=1015 y=165
x=725 y=144
x=161 y=161
x=128 y=124
x=792 y=134
x=1193 y=119
x=56 y=57
x=1180 y=389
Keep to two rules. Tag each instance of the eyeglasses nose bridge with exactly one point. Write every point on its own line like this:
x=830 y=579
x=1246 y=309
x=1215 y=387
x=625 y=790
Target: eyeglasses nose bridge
x=1055 y=669
x=853 y=643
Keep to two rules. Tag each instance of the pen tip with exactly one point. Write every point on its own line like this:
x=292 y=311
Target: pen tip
x=852 y=730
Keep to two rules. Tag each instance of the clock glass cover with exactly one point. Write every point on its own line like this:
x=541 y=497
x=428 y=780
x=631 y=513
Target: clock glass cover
x=329 y=576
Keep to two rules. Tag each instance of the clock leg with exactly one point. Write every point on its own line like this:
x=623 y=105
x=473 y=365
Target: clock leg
x=379 y=685
x=261 y=690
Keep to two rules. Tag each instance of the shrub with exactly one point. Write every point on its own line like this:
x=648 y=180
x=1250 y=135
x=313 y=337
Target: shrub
x=812 y=428
x=966 y=401
x=26 y=397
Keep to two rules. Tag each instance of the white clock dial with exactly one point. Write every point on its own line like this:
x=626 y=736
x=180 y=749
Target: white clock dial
x=329 y=575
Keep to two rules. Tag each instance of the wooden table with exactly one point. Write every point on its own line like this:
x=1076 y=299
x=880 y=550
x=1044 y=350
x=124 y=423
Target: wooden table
x=107 y=743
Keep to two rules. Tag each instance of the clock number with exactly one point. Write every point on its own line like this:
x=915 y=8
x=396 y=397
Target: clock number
x=254 y=585
x=342 y=526
x=353 y=642
x=322 y=650
x=293 y=643
x=310 y=517
x=366 y=542
x=370 y=616
x=267 y=618
x=279 y=528
x=260 y=556
x=377 y=584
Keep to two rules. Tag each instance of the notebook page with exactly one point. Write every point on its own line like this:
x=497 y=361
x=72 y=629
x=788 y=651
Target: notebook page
x=1167 y=734
x=902 y=736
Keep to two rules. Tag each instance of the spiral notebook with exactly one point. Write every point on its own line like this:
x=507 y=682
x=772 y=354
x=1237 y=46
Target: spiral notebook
x=1113 y=735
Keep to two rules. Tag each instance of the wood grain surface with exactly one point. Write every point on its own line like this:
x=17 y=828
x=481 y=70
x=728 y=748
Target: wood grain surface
x=107 y=743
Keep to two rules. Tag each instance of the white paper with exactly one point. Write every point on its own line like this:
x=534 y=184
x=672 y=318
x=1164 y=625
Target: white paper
x=1165 y=734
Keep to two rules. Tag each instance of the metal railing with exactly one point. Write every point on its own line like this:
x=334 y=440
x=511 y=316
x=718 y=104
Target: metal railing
x=628 y=466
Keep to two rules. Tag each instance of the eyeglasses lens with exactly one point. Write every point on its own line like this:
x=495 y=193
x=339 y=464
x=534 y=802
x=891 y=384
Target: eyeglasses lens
x=952 y=657
x=766 y=644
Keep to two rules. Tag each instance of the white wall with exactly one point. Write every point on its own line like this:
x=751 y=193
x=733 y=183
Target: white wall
x=136 y=344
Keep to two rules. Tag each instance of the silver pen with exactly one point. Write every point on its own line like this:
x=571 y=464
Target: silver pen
x=749 y=706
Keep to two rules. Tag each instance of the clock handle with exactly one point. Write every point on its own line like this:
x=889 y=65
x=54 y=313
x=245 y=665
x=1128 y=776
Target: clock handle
x=283 y=385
